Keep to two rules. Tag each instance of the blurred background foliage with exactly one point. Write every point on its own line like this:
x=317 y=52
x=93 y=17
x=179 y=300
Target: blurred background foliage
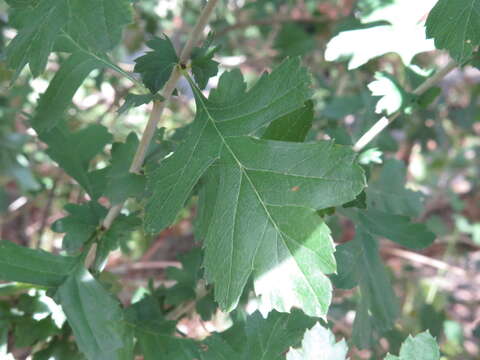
x=365 y=56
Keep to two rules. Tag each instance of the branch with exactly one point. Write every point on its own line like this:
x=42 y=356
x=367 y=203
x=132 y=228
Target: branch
x=159 y=106
x=381 y=124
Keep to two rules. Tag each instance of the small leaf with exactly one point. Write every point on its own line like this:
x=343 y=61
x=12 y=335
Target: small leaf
x=117 y=235
x=393 y=97
x=156 y=66
x=388 y=192
x=74 y=151
x=55 y=101
x=319 y=344
x=121 y=183
x=79 y=225
x=186 y=278
x=18 y=263
x=29 y=331
x=134 y=100
x=259 y=338
x=420 y=347
x=203 y=65
x=455 y=26
x=396 y=228
x=360 y=263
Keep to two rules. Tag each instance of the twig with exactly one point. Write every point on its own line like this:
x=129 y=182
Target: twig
x=159 y=106
x=381 y=124
x=146 y=265
x=425 y=260
x=46 y=212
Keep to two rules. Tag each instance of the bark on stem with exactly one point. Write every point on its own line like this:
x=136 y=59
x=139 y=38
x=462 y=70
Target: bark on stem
x=159 y=106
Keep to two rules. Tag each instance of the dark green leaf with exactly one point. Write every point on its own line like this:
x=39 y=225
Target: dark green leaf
x=21 y=264
x=36 y=38
x=74 y=151
x=455 y=26
x=203 y=65
x=293 y=40
x=82 y=221
x=121 y=183
x=29 y=331
x=396 y=228
x=388 y=192
x=259 y=338
x=156 y=66
x=95 y=317
x=291 y=127
x=134 y=100
x=117 y=235
x=361 y=264
x=186 y=278
x=55 y=101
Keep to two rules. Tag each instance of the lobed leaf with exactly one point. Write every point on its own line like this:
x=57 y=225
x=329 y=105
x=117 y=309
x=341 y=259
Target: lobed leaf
x=455 y=26
x=319 y=344
x=261 y=216
x=74 y=159
x=156 y=66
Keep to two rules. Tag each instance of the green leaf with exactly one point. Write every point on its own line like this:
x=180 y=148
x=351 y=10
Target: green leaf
x=203 y=65
x=36 y=38
x=55 y=101
x=291 y=127
x=396 y=228
x=404 y=34
x=293 y=40
x=156 y=66
x=360 y=263
x=79 y=226
x=95 y=317
x=319 y=344
x=267 y=193
x=29 y=331
x=455 y=26
x=94 y=26
x=154 y=332
x=37 y=267
x=117 y=235
x=74 y=151
x=388 y=192
x=186 y=278
x=420 y=347
x=121 y=183
x=393 y=97
x=97 y=25
x=259 y=338
x=134 y=100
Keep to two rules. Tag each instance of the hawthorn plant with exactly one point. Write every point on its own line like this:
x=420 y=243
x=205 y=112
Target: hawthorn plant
x=263 y=189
